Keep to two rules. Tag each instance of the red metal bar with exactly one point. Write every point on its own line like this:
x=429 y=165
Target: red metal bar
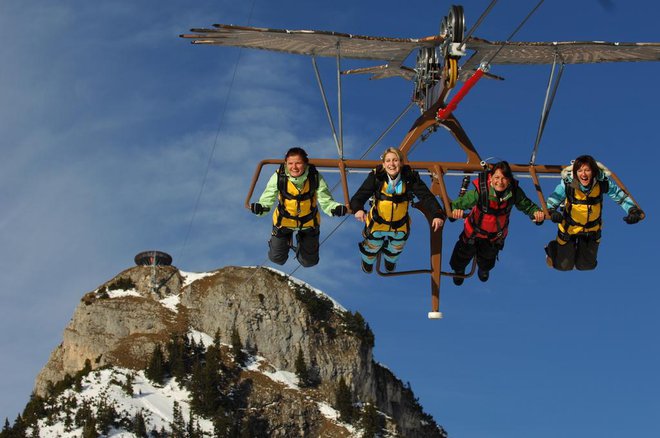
x=443 y=113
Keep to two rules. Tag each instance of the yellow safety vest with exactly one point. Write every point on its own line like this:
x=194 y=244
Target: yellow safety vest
x=297 y=208
x=582 y=212
x=390 y=211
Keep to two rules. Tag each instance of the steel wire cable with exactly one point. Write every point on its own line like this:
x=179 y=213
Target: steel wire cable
x=215 y=144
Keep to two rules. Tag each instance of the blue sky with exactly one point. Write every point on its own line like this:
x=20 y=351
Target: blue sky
x=108 y=121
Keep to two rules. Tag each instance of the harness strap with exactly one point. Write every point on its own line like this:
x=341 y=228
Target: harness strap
x=394 y=224
x=568 y=237
x=283 y=213
x=483 y=208
x=483 y=192
x=590 y=200
x=283 y=179
x=397 y=198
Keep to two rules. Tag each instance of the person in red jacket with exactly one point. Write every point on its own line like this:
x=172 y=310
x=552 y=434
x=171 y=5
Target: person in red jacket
x=486 y=226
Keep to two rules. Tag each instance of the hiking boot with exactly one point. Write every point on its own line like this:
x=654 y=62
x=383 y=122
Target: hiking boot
x=389 y=266
x=367 y=268
x=458 y=280
x=483 y=275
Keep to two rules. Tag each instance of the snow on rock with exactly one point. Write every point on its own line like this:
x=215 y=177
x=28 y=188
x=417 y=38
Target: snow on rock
x=296 y=281
x=332 y=414
x=123 y=293
x=155 y=402
x=171 y=302
x=191 y=277
x=202 y=337
x=285 y=377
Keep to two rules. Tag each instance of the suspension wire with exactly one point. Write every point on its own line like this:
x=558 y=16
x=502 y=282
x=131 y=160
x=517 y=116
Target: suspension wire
x=388 y=129
x=550 y=94
x=215 y=143
x=323 y=241
x=414 y=145
x=327 y=107
x=340 y=114
x=508 y=40
x=477 y=24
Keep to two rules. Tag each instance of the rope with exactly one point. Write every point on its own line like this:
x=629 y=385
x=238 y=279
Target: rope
x=215 y=145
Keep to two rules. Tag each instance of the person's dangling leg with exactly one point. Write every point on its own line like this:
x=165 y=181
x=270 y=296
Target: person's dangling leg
x=369 y=248
x=562 y=254
x=392 y=249
x=464 y=251
x=308 y=246
x=586 y=253
x=486 y=256
x=278 y=245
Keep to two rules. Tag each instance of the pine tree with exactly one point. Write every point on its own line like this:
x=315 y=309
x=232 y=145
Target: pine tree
x=344 y=401
x=369 y=421
x=139 y=426
x=301 y=370
x=179 y=356
x=34 y=409
x=193 y=430
x=127 y=386
x=156 y=369
x=35 y=431
x=89 y=429
x=84 y=415
x=178 y=423
x=222 y=425
x=198 y=351
x=106 y=415
x=6 y=430
x=237 y=347
x=205 y=385
x=216 y=339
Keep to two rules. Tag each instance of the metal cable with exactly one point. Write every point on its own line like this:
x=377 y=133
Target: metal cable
x=550 y=94
x=522 y=23
x=477 y=24
x=215 y=145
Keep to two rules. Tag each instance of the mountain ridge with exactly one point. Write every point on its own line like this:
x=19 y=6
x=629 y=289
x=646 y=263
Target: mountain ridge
x=282 y=320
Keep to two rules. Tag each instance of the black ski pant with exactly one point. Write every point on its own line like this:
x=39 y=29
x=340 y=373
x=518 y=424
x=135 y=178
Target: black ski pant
x=579 y=252
x=307 y=247
x=465 y=249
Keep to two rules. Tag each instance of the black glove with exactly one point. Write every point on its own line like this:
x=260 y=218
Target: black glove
x=339 y=211
x=556 y=216
x=257 y=208
x=634 y=215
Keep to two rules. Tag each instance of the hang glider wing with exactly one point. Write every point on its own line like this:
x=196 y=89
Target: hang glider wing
x=395 y=50
x=567 y=52
x=318 y=43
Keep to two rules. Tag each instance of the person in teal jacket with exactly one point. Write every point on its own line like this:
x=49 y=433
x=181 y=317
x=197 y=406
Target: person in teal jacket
x=583 y=186
x=300 y=192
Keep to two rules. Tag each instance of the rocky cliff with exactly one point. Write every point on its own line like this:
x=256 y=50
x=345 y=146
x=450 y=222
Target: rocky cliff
x=276 y=317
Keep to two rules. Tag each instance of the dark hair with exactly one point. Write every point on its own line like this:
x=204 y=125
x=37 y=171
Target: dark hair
x=589 y=161
x=297 y=151
x=504 y=167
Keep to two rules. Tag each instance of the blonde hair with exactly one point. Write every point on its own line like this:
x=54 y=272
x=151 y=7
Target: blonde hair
x=395 y=151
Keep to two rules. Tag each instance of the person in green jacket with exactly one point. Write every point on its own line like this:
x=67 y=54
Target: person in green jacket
x=300 y=191
x=486 y=226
